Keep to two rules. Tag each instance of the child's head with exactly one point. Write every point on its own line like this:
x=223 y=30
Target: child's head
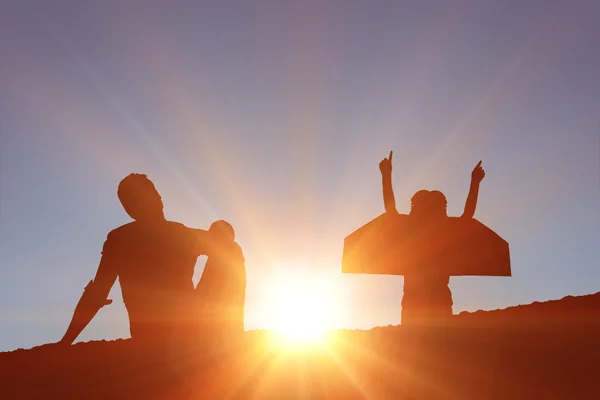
x=428 y=204
x=222 y=229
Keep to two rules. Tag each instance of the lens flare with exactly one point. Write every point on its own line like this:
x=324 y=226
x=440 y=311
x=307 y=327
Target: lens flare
x=301 y=310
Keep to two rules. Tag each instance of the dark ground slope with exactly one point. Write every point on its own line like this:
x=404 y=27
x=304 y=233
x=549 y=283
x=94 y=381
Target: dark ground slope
x=545 y=350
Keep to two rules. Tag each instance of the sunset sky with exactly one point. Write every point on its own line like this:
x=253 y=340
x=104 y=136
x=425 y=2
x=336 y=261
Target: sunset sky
x=274 y=116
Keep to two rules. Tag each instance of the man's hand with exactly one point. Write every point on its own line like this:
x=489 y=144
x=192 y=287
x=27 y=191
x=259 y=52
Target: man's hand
x=54 y=346
x=477 y=174
x=385 y=166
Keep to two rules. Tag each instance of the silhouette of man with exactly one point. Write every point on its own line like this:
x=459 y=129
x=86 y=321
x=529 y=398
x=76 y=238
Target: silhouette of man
x=221 y=291
x=154 y=260
x=427 y=297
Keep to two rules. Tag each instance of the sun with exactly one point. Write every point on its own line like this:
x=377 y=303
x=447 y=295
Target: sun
x=302 y=311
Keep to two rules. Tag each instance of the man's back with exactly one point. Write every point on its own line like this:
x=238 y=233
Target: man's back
x=155 y=263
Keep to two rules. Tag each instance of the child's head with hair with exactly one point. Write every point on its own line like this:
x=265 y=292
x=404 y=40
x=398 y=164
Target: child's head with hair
x=222 y=230
x=428 y=204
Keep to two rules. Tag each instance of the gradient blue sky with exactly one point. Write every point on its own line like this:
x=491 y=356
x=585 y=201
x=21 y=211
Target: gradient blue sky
x=274 y=116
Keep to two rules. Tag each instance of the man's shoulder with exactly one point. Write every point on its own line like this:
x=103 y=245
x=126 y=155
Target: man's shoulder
x=179 y=230
x=118 y=236
x=177 y=225
x=122 y=230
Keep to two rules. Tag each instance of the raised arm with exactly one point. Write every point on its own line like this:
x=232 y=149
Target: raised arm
x=94 y=296
x=389 y=200
x=471 y=203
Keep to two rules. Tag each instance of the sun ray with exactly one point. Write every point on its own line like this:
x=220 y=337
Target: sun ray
x=118 y=104
x=377 y=361
x=341 y=365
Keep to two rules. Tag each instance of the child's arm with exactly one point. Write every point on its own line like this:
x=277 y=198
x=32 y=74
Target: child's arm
x=476 y=178
x=389 y=200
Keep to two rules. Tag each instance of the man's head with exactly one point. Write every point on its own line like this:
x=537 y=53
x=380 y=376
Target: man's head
x=222 y=230
x=428 y=204
x=140 y=198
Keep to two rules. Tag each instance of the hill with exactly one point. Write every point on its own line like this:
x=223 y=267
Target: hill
x=548 y=350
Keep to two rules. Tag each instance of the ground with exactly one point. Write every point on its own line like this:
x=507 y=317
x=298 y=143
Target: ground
x=545 y=350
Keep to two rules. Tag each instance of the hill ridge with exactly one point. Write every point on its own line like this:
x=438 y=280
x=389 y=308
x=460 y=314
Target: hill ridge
x=487 y=357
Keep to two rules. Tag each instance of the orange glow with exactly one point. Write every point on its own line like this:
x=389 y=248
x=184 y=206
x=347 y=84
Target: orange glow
x=300 y=310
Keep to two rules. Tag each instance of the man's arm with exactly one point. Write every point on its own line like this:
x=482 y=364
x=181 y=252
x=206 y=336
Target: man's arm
x=202 y=241
x=476 y=178
x=389 y=200
x=94 y=296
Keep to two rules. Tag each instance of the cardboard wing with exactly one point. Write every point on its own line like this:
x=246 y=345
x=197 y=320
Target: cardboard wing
x=395 y=244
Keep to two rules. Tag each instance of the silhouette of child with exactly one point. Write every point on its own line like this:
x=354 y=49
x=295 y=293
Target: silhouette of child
x=427 y=296
x=221 y=291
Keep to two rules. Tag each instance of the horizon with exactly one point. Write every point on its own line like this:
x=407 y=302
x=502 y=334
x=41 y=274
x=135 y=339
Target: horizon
x=274 y=118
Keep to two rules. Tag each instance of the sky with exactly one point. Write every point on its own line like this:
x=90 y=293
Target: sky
x=274 y=116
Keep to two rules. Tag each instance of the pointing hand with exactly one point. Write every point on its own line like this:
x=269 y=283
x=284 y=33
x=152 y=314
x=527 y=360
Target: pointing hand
x=478 y=173
x=385 y=166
